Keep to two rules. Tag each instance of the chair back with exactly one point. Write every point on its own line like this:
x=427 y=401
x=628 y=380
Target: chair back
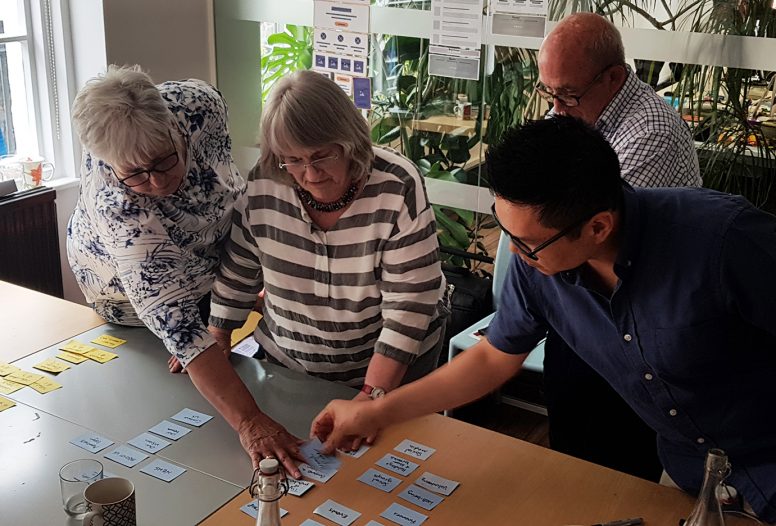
x=500 y=267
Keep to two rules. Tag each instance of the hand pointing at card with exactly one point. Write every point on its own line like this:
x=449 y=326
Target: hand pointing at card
x=342 y=421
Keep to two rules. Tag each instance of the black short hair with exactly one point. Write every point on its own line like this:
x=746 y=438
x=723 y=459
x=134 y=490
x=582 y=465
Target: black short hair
x=561 y=166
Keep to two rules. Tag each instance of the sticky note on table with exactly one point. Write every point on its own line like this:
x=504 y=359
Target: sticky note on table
x=23 y=377
x=421 y=497
x=189 y=416
x=397 y=464
x=403 y=515
x=6 y=404
x=76 y=347
x=7 y=368
x=336 y=512
x=163 y=470
x=378 y=479
x=51 y=365
x=252 y=509
x=318 y=460
x=8 y=387
x=148 y=442
x=321 y=475
x=106 y=340
x=297 y=488
x=126 y=456
x=44 y=385
x=100 y=356
x=71 y=357
x=413 y=449
x=436 y=483
x=92 y=442
x=170 y=430
x=357 y=453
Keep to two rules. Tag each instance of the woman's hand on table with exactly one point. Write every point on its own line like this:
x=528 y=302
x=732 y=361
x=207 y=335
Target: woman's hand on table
x=343 y=421
x=263 y=437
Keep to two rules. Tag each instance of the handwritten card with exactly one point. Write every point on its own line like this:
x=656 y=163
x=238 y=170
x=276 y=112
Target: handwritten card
x=378 y=479
x=436 y=483
x=7 y=387
x=413 y=449
x=316 y=474
x=100 y=356
x=310 y=522
x=44 y=385
x=357 y=453
x=126 y=456
x=7 y=368
x=336 y=512
x=189 y=416
x=167 y=429
x=421 y=497
x=71 y=357
x=373 y=523
x=76 y=347
x=163 y=470
x=23 y=377
x=397 y=464
x=52 y=365
x=148 y=442
x=403 y=515
x=316 y=458
x=252 y=509
x=6 y=404
x=106 y=340
x=297 y=488
x=92 y=442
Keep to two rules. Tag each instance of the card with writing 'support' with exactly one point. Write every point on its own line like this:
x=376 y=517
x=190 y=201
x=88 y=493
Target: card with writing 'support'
x=92 y=442
x=316 y=474
x=297 y=488
x=413 y=449
x=148 y=442
x=336 y=512
x=398 y=465
x=191 y=417
x=436 y=483
x=252 y=509
x=163 y=470
x=378 y=479
x=170 y=430
x=421 y=497
x=126 y=456
x=403 y=516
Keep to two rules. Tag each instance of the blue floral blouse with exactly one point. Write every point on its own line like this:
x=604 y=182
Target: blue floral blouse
x=144 y=260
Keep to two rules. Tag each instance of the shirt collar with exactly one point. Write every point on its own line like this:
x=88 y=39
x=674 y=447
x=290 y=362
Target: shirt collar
x=610 y=118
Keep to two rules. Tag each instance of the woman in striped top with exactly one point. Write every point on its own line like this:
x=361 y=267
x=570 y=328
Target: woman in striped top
x=342 y=238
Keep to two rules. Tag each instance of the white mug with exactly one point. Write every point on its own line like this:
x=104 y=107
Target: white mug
x=110 y=502
x=32 y=169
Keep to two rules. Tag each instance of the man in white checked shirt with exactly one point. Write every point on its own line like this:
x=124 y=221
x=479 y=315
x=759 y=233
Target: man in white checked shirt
x=583 y=74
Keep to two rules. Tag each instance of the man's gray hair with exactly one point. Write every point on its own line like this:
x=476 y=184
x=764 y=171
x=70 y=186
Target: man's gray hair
x=120 y=117
x=308 y=110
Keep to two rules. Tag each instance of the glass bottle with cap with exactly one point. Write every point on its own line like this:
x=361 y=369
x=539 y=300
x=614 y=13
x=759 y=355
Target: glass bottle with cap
x=707 y=510
x=268 y=485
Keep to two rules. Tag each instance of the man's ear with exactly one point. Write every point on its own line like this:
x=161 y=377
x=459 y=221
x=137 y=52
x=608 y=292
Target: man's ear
x=601 y=226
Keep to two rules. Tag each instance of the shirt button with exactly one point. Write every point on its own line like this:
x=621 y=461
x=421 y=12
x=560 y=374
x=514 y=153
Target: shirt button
x=627 y=337
x=672 y=412
x=700 y=440
x=648 y=376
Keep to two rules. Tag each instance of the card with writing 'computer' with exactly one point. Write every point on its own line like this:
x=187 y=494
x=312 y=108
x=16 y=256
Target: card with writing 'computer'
x=436 y=483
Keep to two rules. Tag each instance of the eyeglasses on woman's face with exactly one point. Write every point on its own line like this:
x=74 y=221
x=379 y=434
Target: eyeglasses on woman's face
x=163 y=165
x=297 y=167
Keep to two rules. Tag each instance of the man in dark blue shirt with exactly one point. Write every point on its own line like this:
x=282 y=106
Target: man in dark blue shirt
x=669 y=294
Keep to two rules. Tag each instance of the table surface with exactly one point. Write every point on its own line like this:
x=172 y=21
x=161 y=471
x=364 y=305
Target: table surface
x=30 y=321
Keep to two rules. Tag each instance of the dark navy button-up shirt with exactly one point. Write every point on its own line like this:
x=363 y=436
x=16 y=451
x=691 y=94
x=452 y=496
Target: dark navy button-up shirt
x=688 y=338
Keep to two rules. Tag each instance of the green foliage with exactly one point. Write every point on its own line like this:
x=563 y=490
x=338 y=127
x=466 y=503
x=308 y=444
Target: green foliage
x=290 y=51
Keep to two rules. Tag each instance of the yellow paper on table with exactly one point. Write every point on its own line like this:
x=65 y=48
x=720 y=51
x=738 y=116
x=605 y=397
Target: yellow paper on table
x=44 y=385
x=7 y=368
x=76 y=347
x=8 y=387
x=71 y=357
x=101 y=356
x=23 y=377
x=6 y=404
x=52 y=366
x=109 y=341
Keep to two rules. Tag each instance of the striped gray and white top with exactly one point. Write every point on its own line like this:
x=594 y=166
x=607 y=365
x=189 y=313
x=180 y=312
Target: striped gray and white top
x=372 y=283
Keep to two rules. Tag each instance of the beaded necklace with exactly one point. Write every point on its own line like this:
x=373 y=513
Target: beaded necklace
x=333 y=206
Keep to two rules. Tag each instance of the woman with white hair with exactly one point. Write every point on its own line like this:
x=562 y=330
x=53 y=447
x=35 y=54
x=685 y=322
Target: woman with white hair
x=342 y=238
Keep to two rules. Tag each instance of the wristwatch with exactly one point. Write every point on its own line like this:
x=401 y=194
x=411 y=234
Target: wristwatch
x=373 y=392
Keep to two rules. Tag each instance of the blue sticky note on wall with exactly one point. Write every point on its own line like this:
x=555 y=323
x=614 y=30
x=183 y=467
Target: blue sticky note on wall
x=362 y=92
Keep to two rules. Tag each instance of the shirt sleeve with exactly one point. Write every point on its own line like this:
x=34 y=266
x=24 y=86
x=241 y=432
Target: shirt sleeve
x=655 y=158
x=411 y=280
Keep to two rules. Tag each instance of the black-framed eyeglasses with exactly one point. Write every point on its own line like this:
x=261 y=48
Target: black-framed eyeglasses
x=570 y=101
x=161 y=166
x=525 y=249
x=298 y=168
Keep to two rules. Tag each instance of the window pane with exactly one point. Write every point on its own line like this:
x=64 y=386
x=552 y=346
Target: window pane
x=17 y=134
x=12 y=18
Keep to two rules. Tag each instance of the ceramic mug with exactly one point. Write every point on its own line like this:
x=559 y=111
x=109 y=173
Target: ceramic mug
x=110 y=502
x=32 y=170
x=463 y=110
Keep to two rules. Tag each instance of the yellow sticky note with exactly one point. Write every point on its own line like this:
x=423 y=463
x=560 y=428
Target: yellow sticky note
x=108 y=341
x=71 y=357
x=23 y=377
x=52 y=366
x=6 y=403
x=7 y=368
x=8 y=387
x=101 y=356
x=76 y=347
x=44 y=385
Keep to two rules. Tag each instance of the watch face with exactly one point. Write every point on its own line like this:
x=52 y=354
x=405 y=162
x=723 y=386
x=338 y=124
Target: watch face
x=377 y=392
